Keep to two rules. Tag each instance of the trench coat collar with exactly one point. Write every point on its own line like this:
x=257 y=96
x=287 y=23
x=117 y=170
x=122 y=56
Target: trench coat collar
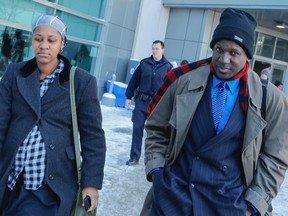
x=199 y=81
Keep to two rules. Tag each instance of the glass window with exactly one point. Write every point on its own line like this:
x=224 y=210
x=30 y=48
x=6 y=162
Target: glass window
x=90 y=7
x=278 y=74
x=281 y=50
x=21 y=11
x=25 y=11
x=15 y=45
x=81 y=28
x=81 y=55
x=265 y=45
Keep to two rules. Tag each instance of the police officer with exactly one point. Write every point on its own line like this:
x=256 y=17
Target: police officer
x=146 y=79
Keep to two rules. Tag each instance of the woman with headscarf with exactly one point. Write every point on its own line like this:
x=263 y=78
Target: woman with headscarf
x=38 y=169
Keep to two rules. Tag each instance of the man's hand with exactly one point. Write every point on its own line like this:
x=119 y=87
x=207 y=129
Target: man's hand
x=128 y=103
x=93 y=193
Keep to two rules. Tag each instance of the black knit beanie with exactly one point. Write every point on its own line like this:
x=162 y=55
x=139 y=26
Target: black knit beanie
x=238 y=26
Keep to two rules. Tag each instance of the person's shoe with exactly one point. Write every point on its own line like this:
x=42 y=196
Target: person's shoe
x=132 y=162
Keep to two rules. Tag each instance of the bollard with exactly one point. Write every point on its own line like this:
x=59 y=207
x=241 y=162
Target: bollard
x=112 y=83
x=109 y=98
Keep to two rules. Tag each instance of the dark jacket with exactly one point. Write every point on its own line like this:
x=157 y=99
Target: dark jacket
x=148 y=76
x=22 y=108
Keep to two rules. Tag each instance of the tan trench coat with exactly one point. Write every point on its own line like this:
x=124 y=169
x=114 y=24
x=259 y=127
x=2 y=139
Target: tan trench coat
x=264 y=164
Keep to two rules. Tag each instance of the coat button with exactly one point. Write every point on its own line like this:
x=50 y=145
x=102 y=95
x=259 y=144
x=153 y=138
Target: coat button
x=51 y=146
x=51 y=177
x=192 y=185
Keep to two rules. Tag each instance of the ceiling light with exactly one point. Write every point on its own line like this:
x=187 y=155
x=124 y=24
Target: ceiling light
x=281 y=24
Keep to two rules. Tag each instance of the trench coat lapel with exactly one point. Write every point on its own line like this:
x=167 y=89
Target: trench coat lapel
x=187 y=103
x=186 y=107
x=29 y=89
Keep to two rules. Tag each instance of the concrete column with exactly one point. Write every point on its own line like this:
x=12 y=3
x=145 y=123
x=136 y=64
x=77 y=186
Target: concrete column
x=211 y=21
x=151 y=25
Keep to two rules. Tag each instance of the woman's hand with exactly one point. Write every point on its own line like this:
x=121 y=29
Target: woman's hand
x=92 y=192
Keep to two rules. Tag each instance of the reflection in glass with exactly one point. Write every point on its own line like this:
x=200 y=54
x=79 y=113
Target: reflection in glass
x=15 y=46
x=81 y=28
x=81 y=55
x=21 y=11
x=90 y=7
x=5 y=51
x=281 y=50
x=277 y=74
x=265 y=45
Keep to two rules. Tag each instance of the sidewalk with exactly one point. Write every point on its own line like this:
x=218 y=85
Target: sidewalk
x=125 y=187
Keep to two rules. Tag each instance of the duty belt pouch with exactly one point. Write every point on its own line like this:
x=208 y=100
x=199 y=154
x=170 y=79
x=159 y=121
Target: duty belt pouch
x=145 y=97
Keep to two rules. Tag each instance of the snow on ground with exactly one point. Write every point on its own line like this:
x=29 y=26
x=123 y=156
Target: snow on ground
x=124 y=188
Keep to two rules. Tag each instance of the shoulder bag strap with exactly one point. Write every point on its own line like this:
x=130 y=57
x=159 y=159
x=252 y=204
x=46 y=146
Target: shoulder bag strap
x=75 y=123
x=263 y=105
x=264 y=93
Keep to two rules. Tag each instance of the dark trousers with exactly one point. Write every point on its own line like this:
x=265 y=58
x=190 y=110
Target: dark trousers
x=138 y=119
x=22 y=202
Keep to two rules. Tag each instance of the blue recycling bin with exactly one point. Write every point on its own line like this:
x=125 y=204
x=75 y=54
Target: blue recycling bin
x=118 y=90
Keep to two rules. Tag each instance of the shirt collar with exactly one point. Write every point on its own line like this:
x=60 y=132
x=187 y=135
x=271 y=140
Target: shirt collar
x=233 y=85
x=57 y=71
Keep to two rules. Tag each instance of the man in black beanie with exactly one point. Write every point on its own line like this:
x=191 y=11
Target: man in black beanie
x=206 y=151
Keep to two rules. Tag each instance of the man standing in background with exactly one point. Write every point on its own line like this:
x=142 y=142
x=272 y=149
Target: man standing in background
x=266 y=74
x=145 y=81
x=18 y=45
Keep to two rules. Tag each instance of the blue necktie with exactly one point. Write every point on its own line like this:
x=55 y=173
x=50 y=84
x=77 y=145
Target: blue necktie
x=218 y=102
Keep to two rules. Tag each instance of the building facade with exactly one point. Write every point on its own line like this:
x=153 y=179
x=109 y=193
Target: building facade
x=105 y=36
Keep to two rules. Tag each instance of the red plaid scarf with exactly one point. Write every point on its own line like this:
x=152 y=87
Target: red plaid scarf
x=174 y=74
